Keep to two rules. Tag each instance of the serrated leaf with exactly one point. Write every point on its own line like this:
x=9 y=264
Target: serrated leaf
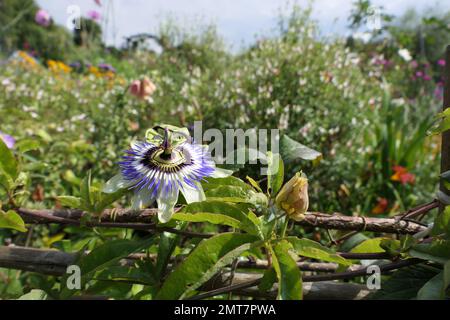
x=203 y=262
x=311 y=249
x=12 y=220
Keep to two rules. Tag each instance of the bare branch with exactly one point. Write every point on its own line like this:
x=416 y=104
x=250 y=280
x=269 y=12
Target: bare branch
x=143 y=220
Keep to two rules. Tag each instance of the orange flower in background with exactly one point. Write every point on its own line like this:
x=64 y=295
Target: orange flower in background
x=402 y=175
x=381 y=206
x=142 y=89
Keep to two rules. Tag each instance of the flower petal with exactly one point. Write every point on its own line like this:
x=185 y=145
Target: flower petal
x=193 y=194
x=115 y=183
x=166 y=202
x=221 y=173
x=142 y=199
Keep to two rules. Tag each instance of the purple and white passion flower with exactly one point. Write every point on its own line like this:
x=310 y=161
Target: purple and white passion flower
x=159 y=168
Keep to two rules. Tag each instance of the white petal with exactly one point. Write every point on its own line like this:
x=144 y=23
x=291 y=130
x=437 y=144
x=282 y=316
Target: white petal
x=166 y=202
x=221 y=173
x=115 y=183
x=142 y=199
x=193 y=194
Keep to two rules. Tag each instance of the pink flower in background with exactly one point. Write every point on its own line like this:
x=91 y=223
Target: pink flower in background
x=419 y=74
x=8 y=140
x=426 y=77
x=142 y=89
x=414 y=64
x=42 y=18
x=94 y=15
x=98 y=2
x=441 y=62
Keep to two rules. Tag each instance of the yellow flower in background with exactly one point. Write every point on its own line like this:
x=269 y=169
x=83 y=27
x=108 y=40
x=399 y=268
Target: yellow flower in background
x=95 y=71
x=293 y=197
x=26 y=59
x=58 y=66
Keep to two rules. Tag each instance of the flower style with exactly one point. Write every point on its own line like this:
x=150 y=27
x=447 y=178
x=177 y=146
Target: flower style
x=42 y=18
x=159 y=168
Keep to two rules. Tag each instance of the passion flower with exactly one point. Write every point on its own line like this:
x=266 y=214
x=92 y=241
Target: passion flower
x=159 y=168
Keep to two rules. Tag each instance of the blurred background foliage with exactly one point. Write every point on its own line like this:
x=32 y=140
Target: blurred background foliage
x=366 y=102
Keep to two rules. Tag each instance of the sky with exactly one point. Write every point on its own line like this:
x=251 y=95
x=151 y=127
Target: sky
x=238 y=21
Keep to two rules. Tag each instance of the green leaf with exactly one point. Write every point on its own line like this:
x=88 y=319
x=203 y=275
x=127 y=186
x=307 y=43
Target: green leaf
x=432 y=289
x=104 y=256
x=369 y=246
x=442 y=223
x=292 y=150
x=34 y=294
x=446 y=276
x=404 y=283
x=215 y=218
x=438 y=251
x=311 y=249
x=69 y=201
x=203 y=262
x=106 y=199
x=287 y=271
x=166 y=246
x=254 y=183
x=8 y=163
x=11 y=220
x=85 y=191
x=129 y=274
x=268 y=279
x=275 y=173
x=212 y=183
x=235 y=194
x=236 y=212
x=27 y=145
